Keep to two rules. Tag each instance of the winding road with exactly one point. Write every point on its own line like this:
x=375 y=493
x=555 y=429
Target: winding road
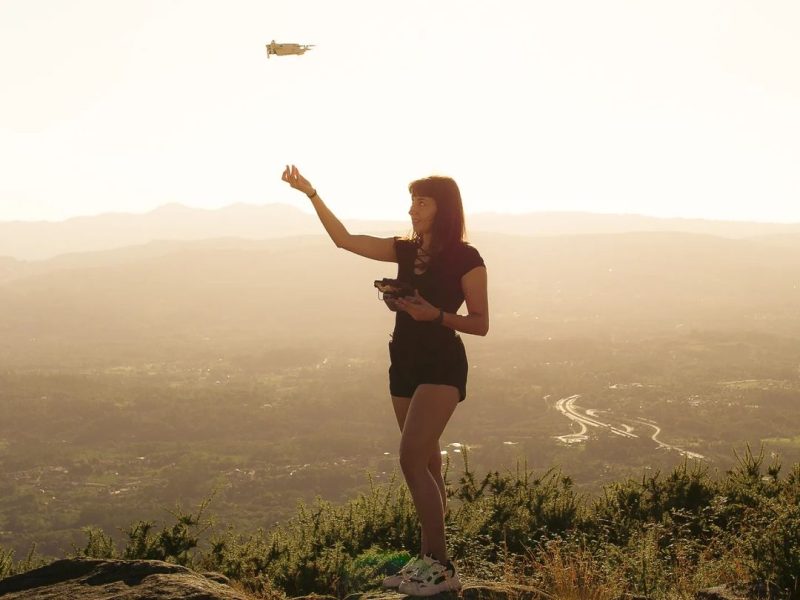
x=661 y=444
x=588 y=418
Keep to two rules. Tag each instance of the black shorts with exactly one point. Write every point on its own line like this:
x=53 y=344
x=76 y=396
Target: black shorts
x=410 y=367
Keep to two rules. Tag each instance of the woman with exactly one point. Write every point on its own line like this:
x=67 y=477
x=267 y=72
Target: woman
x=428 y=372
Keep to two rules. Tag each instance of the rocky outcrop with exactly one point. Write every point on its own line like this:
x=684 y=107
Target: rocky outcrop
x=470 y=591
x=721 y=592
x=85 y=578
x=758 y=590
x=95 y=579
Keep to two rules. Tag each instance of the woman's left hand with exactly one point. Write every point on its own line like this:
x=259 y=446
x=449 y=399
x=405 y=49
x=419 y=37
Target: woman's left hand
x=419 y=308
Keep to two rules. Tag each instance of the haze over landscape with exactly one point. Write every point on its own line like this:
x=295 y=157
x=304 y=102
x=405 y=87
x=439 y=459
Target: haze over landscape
x=175 y=325
x=237 y=349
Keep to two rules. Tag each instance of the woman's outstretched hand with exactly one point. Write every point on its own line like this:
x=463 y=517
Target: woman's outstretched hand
x=416 y=306
x=293 y=178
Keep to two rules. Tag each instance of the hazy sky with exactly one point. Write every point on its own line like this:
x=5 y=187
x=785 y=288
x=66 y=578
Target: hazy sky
x=669 y=108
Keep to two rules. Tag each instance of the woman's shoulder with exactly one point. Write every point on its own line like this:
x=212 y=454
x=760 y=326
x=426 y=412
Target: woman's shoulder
x=404 y=248
x=404 y=244
x=465 y=256
x=467 y=249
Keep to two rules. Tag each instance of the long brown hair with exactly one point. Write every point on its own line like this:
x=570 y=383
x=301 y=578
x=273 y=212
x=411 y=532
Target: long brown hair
x=448 y=228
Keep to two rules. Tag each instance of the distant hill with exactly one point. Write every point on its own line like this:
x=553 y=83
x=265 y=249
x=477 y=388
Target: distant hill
x=271 y=289
x=10 y=268
x=563 y=223
x=43 y=240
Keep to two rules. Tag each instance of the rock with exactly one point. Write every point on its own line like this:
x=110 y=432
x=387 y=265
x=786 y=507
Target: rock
x=720 y=592
x=757 y=590
x=374 y=595
x=214 y=576
x=87 y=578
x=498 y=591
x=470 y=591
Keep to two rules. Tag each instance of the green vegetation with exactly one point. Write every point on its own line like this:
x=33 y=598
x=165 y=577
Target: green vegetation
x=661 y=536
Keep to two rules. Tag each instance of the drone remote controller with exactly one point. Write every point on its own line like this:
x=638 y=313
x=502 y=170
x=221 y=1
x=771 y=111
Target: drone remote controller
x=392 y=289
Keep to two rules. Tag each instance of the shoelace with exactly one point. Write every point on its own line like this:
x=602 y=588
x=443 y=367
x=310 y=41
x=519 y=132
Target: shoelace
x=411 y=565
x=429 y=571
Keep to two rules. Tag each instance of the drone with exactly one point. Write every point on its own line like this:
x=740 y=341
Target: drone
x=286 y=49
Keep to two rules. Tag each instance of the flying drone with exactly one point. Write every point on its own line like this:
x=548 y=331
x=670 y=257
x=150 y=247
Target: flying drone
x=286 y=49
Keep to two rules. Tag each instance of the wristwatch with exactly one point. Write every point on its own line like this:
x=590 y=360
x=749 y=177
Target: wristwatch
x=438 y=320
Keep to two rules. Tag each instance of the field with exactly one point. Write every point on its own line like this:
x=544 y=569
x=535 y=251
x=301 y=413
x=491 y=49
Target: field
x=106 y=446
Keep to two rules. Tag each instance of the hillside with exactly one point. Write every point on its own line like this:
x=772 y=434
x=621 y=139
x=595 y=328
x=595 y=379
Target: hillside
x=134 y=378
x=662 y=535
x=230 y=289
x=42 y=240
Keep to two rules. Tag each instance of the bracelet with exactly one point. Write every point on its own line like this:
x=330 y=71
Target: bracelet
x=438 y=320
x=312 y=195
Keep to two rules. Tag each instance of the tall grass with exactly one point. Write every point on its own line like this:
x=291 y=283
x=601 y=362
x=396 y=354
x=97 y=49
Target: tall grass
x=660 y=536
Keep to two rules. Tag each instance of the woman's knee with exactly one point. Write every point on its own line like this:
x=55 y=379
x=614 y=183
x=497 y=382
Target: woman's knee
x=435 y=462
x=413 y=460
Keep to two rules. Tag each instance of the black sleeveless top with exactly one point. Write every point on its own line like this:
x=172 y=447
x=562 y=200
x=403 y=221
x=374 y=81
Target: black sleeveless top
x=440 y=285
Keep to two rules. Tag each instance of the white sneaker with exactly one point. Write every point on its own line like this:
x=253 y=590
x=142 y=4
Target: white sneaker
x=393 y=581
x=432 y=577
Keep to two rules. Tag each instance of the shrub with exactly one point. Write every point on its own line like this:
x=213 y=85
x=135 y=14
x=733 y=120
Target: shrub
x=664 y=536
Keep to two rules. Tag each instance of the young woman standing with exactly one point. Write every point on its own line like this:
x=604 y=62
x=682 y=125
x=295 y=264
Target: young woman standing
x=428 y=372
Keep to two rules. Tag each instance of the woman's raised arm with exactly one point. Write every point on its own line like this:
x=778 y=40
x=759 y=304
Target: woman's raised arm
x=364 y=245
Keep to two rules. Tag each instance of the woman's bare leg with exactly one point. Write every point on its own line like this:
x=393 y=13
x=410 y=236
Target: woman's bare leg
x=435 y=467
x=427 y=416
x=401 y=405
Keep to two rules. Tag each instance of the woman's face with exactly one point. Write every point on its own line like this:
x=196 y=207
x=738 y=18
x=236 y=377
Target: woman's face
x=422 y=212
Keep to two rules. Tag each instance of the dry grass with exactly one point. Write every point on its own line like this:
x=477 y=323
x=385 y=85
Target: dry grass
x=567 y=574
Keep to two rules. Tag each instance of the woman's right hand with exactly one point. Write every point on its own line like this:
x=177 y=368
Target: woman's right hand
x=293 y=178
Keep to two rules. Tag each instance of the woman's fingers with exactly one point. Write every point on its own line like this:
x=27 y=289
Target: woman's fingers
x=291 y=175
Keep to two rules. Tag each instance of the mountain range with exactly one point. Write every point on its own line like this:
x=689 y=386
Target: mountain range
x=31 y=241
x=231 y=290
